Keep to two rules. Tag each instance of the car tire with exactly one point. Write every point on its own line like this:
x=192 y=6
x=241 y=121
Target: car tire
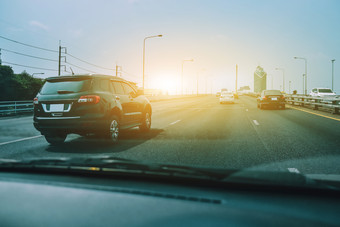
x=261 y=107
x=283 y=107
x=55 y=138
x=112 y=130
x=146 y=122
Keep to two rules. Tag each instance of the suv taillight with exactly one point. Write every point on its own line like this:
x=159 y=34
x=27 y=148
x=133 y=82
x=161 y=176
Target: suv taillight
x=90 y=99
x=35 y=101
x=264 y=97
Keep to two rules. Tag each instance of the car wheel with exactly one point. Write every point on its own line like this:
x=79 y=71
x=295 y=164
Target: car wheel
x=283 y=107
x=261 y=107
x=55 y=139
x=146 y=122
x=112 y=130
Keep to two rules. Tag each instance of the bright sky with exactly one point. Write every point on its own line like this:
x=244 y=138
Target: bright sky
x=216 y=34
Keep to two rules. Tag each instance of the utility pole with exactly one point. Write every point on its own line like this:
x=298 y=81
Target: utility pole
x=119 y=70
x=59 y=59
x=332 y=73
x=289 y=86
x=236 y=79
x=0 y=56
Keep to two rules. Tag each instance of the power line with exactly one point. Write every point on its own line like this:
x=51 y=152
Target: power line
x=89 y=62
x=129 y=74
x=32 y=67
x=25 y=44
x=80 y=67
x=47 y=59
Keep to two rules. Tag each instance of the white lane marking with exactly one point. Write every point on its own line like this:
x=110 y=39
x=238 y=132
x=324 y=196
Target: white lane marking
x=246 y=109
x=293 y=170
x=174 y=122
x=255 y=122
x=18 y=140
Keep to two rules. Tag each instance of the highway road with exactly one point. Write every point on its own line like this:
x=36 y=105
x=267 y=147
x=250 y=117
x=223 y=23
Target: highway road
x=199 y=131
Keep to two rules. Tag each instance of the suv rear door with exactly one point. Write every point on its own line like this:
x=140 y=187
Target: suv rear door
x=125 y=101
x=135 y=103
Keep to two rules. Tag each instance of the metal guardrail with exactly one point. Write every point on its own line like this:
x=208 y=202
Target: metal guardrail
x=15 y=107
x=330 y=103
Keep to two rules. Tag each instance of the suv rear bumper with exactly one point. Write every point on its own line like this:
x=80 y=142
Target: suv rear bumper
x=75 y=124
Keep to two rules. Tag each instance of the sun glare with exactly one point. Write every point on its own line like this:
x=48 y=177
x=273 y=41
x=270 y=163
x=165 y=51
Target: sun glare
x=166 y=83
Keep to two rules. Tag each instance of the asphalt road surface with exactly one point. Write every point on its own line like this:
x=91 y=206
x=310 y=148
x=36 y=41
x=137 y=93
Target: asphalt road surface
x=199 y=131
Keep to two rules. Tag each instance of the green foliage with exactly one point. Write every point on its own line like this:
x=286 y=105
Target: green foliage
x=17 y=86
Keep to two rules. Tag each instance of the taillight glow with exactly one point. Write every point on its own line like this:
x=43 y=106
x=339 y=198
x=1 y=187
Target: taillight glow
x=90 y=99
x=264 y=97
x=35 y=101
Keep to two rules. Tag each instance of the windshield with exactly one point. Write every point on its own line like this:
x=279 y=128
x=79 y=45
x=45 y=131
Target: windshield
x=272 y=92
x=173 y=82
x=52 y=87
x=325 y=91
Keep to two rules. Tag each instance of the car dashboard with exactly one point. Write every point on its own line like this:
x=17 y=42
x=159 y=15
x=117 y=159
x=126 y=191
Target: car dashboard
x=31 y=199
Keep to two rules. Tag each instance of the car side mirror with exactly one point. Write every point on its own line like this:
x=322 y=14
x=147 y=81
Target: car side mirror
x=140 y=92
x=134 y=94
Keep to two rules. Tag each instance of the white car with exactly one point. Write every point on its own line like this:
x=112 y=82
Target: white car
x=227 y=97
x=322 y=92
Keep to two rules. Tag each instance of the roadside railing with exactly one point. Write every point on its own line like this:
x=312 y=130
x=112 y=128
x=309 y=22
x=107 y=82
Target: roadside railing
x=15 y=107
x=330 y=103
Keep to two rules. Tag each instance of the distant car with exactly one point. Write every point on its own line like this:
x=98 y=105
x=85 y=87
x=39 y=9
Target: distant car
x=218 y=94
x=85 y=104
x=227 y=97
x=271 y=98
x=322 y=92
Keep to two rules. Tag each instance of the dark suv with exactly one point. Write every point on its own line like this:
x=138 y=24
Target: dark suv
x=271 y=98
x=86 y=104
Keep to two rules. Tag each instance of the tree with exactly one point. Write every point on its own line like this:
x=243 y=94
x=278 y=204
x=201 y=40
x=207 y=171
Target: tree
x=17 y=86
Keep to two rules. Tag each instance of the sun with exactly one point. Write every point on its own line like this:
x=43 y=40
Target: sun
x=166 y=83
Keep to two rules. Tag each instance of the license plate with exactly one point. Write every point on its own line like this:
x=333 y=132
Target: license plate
x=274 y=99
x=57 y=107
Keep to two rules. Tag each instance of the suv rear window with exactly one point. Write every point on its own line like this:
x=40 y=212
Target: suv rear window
x=72 y=86
x=272 y=92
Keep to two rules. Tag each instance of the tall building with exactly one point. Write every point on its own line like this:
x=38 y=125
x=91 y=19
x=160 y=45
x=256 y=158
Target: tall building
x=260 y=80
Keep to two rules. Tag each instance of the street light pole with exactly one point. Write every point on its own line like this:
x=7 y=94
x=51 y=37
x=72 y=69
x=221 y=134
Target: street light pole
x=154 y=36
x=305 y=72
x=197 y=83
x=283 y=77
x=182 y=73
x=333 y=74
x=303 y=83
x=289 y=86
